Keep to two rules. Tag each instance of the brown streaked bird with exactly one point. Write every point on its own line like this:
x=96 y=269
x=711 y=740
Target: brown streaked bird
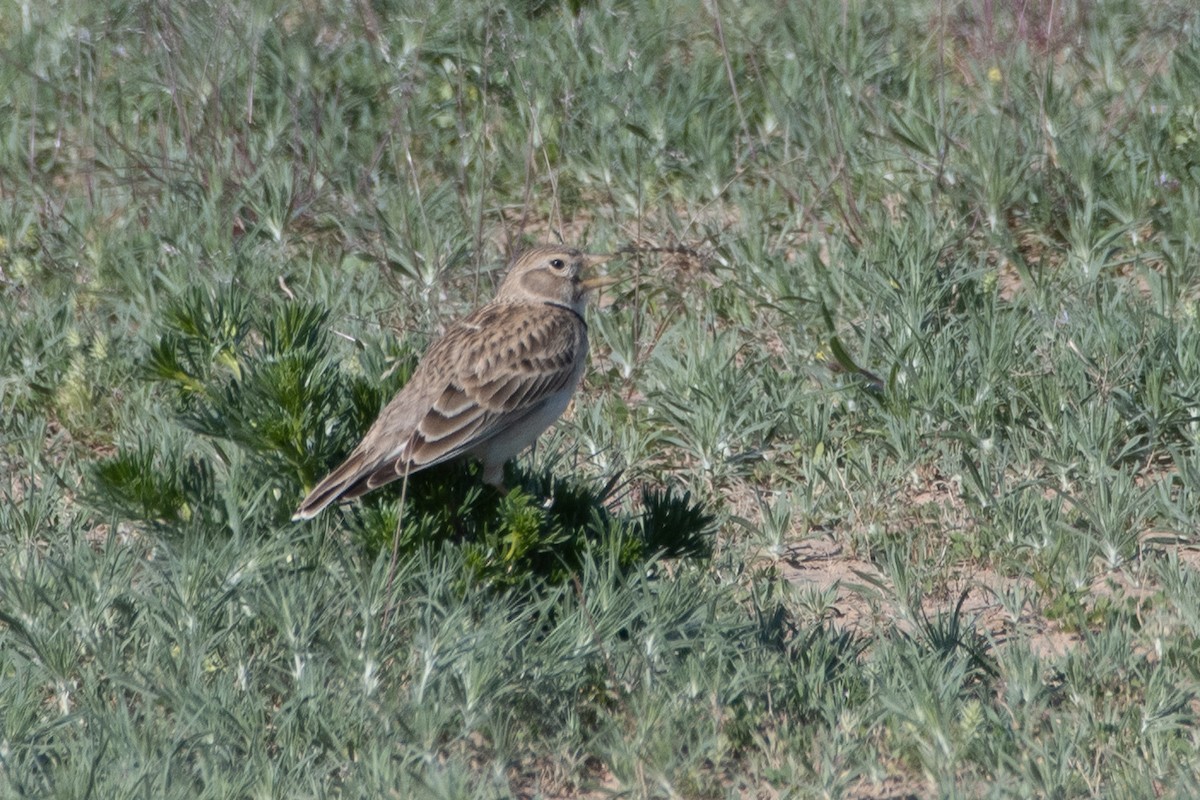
x=486 y=389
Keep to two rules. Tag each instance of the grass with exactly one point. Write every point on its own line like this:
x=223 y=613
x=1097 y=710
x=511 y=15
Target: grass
x=884 y=480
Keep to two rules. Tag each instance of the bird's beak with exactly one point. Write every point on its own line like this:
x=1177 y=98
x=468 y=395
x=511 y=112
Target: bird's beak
x=591 y=261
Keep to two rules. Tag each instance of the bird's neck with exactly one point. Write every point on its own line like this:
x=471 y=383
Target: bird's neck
x=576 y=309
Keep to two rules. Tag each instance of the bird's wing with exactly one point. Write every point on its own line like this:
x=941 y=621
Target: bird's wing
x=487 y=373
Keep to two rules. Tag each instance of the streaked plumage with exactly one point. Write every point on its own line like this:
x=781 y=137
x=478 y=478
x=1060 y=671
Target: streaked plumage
x=496 y=379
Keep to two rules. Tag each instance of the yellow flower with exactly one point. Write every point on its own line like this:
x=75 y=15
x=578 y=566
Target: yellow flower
x=995 y=75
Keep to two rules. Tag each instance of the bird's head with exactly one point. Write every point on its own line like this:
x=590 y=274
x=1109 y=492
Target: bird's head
x=553 y=274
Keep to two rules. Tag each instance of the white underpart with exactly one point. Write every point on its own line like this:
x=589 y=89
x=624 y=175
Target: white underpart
x=507 y=443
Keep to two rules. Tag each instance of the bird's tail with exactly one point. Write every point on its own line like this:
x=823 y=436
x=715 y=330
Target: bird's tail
x=346 y=482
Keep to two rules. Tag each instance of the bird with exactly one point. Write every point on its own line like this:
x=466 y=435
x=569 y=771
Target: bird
x=494 y=381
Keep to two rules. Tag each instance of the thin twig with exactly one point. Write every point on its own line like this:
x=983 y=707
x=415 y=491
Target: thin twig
x=733 y=90
x=391 y=575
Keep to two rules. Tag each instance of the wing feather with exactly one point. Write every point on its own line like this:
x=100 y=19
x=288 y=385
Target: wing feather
x=489 y=372
x=514 y=361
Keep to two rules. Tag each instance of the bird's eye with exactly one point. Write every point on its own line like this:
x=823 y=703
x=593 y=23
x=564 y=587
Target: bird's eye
x=557 y=263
